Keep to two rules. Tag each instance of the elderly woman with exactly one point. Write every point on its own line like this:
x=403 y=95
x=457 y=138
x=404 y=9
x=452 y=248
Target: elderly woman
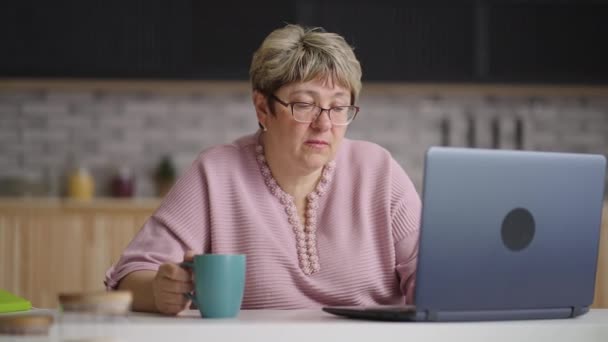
x=322 y=219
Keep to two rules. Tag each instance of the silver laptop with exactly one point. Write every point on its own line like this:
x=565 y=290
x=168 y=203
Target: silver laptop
x=505 y=235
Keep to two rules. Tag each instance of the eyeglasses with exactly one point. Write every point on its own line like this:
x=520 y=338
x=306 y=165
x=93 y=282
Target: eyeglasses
x=305 y=112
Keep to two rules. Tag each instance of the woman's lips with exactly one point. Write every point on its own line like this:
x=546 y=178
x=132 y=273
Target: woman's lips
x=317 y=143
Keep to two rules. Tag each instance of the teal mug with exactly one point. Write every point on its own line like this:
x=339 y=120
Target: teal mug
x=219 y=283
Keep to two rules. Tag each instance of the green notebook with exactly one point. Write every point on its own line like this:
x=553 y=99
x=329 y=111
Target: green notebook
x=11 y=303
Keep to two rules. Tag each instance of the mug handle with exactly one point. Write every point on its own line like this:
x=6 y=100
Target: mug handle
x=188 y=265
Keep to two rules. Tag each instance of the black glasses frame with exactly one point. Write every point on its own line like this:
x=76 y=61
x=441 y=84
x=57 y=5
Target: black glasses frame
x=321 y=109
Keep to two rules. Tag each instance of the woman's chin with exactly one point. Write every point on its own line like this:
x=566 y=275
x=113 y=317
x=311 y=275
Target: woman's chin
x=316 y=162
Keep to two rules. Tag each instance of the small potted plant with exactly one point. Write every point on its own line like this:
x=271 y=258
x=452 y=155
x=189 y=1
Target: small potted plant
x=164 y=176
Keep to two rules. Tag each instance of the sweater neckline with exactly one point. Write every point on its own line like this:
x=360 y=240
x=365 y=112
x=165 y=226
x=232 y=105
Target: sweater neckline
x=305 y=232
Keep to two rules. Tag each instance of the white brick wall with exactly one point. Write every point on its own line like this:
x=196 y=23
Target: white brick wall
x=43 y=132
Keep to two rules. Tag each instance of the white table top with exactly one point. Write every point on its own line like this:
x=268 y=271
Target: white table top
x=315 y=325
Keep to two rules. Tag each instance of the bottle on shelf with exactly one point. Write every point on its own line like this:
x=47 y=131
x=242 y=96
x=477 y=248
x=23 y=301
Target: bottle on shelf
x=81 y=185
x=123 y=183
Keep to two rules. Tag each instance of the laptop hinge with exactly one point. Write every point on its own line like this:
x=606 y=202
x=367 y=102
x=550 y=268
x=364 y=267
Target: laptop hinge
x=577 y=311
x=432 y=316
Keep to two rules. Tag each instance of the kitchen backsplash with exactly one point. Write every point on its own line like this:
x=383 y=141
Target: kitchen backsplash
x=45 y=132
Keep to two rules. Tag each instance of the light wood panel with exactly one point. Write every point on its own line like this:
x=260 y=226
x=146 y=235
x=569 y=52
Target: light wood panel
x=52 y=246
x=601 y=283
x=48 y=247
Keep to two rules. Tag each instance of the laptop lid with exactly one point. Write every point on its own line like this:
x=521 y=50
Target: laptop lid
x=512 y=231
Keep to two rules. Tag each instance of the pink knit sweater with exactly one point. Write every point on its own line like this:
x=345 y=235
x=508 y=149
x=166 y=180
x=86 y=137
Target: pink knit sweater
x=358 y=245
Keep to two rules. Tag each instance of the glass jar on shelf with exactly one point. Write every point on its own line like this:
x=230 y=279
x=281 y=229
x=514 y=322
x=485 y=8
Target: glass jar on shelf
x=123 y=183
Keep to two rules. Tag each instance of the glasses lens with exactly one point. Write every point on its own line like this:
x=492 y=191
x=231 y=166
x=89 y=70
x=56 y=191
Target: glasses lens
x=342 y=115
x=308 y=112
x=304 y=112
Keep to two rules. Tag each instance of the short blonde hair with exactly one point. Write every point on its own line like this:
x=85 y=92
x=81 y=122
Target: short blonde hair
x=297 y=54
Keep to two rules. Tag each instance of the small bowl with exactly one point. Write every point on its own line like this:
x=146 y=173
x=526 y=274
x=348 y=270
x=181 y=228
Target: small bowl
x=105 y=303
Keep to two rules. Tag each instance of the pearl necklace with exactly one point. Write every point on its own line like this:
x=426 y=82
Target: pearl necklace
x=306 y=238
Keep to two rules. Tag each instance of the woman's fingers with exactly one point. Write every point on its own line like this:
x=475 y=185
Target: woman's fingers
x=189 y=256
x=169 y=286
x=174 y=286
x=171 y=303
x=173 y=309
x=174 y=299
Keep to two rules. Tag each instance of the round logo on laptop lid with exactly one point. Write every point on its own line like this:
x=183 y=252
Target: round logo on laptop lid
x=518 y=229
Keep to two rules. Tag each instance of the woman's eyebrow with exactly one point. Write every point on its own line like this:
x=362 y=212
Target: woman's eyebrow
x=316 y=93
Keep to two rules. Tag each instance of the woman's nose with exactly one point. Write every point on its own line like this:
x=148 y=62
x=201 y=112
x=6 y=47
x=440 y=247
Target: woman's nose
x=322 y=122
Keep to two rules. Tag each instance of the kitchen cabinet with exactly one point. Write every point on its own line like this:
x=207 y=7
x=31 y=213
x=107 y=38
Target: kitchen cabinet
x=53 y=246
x=403 y=40
x=95 y=38
x=227 y=33
x=180 y=39
x=513 y=41
x=550 y=41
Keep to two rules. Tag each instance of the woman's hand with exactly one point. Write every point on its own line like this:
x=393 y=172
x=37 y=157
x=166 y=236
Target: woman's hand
x=170 y=284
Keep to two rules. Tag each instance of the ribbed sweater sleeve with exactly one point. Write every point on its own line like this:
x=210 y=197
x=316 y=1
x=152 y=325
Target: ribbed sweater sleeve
x=178 y=225
x=185 y=210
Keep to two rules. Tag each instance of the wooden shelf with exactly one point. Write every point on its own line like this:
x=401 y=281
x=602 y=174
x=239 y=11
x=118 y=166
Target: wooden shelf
x=114 y=204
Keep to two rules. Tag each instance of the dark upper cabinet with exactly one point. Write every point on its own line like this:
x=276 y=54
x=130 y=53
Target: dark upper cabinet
x=402 y=40
x=135 y=38
x=226 y=33
x=95 y=38
x=406 y=40
x=547 y=41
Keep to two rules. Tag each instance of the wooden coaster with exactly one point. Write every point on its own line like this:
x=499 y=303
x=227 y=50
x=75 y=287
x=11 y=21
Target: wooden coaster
x=25 y=324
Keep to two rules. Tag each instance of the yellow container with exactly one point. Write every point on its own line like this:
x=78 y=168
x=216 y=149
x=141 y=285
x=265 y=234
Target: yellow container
x=81 y=184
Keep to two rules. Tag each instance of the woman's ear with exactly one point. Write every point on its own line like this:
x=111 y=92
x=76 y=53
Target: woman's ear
x=261 y=107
